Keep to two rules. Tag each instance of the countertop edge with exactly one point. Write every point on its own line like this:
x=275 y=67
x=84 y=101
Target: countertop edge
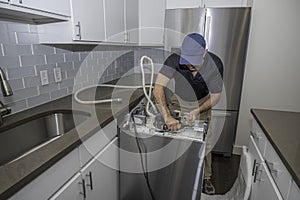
x=286 y=163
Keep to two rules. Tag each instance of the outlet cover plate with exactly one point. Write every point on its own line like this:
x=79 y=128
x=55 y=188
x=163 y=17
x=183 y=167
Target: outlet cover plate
x=44 y=77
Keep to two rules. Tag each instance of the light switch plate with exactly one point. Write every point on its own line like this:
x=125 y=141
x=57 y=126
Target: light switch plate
x=57 y=74
x=44 y=77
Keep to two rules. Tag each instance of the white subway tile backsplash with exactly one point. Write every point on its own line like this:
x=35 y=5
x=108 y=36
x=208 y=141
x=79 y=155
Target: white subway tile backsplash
x=18 y=105
x=16 y=50
x=27 y=38
x=37 y=100
x=39 y=49
x=22 y=58
x=30 y=60
x=54 y=58
x=58 y=93
x=72 y=57
x=9 y=61
x=20 y=72
x=32 y=81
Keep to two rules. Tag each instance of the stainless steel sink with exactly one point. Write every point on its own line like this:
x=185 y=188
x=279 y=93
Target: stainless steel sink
x=20 y=139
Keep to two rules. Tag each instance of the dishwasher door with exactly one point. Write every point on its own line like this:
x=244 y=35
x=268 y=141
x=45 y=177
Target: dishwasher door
x=169 y=180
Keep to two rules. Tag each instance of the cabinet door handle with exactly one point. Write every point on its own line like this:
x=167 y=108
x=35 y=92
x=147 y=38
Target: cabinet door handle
x=271 y=167
x=20 y=1
x=91 y=180
x=253 y=168
x=256 y=172
x=83 y=188
x=78 y=25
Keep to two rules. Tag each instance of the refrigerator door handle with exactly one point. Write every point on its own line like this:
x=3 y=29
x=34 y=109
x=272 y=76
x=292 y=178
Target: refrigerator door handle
x=207 y=30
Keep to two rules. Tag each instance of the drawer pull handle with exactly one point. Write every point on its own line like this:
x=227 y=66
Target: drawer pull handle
x=91 y=180
x=271 y=168
x=83 y=188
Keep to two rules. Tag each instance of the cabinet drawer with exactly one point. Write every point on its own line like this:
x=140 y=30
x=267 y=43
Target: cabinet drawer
x=51 y=180
x=277 y=169
x=89 y=148
x=294 y=192
x=259 y=137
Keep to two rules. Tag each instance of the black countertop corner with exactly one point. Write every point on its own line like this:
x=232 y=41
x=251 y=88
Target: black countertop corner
x=282 y=128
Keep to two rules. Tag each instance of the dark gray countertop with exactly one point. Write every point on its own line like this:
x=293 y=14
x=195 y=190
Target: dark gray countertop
x=283 y=130
x=16 y=174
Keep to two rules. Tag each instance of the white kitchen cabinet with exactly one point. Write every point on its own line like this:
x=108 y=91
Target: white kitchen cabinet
x=277 y=170
x=294 y=192
x=51 y=180
x=114 y=20
x=88 y=20
x=35 y=11
x=151 y=21
x=97 y=179
x=263 y=186
x=131 y=21
x=74 y=189
x=259 y=137
x=61 y=7
x=90 y=147
x=101 y=175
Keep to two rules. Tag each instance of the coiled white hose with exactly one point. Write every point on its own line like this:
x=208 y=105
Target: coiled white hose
x=144 y=86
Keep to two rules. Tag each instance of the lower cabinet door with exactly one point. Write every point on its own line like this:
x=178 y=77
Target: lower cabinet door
x=101 y=174
x=263 y=186
x=74 y=189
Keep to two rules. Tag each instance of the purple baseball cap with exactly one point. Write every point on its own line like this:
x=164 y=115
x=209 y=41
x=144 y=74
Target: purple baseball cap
x=192 y=49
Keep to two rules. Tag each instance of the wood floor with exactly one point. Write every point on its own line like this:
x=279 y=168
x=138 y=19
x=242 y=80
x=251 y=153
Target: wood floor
x=225 y=171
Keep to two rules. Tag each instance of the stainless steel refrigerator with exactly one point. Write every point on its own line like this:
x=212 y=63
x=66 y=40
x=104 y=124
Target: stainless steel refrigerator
x=226 y=32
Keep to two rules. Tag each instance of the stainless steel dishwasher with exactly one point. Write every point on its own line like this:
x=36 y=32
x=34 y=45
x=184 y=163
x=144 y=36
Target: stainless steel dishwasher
x=171 y=167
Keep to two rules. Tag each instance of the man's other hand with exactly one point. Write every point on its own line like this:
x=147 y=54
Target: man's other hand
x=172 y=123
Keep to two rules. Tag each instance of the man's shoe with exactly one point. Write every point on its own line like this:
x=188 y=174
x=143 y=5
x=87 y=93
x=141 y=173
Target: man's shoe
x=208 y=187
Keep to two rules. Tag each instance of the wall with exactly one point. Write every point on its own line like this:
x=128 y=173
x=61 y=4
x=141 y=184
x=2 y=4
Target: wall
x=22 y=58
x=271 y=78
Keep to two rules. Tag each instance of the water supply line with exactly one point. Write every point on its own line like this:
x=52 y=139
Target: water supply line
x=116 y=100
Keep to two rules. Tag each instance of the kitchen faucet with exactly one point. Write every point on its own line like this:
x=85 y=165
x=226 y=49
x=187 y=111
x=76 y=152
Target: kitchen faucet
x=6 y=91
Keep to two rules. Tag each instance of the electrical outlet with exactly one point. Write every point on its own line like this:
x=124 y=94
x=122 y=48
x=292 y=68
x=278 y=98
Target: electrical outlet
x=44 y=77
x=57 y=74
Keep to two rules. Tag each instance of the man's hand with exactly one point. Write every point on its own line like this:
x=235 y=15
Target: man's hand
x=172 y=123
x=193 y=115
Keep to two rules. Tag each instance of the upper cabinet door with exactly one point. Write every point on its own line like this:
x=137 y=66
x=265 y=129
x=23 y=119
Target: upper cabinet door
x=132 y=21
x=152 y=17
x=61 y=7
x=88 y=20
x=114 y=20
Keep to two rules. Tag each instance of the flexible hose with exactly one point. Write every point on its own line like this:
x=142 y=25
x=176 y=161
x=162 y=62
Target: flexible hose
x=144 y=86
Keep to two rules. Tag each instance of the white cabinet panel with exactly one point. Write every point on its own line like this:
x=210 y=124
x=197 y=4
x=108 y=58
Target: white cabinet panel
x=151 y=21
x=259 y=137
x=101 y=174
x=88 y=20
x=61 y=7
x=89 y=148
x=52 y=179
x=263 y=186
x=132 y=21
x=114 y=20
x=73 y=189
x=294 y=192
x=278 y=171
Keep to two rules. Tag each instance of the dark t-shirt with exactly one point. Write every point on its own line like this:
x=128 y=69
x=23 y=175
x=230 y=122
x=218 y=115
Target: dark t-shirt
x=190 y=88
